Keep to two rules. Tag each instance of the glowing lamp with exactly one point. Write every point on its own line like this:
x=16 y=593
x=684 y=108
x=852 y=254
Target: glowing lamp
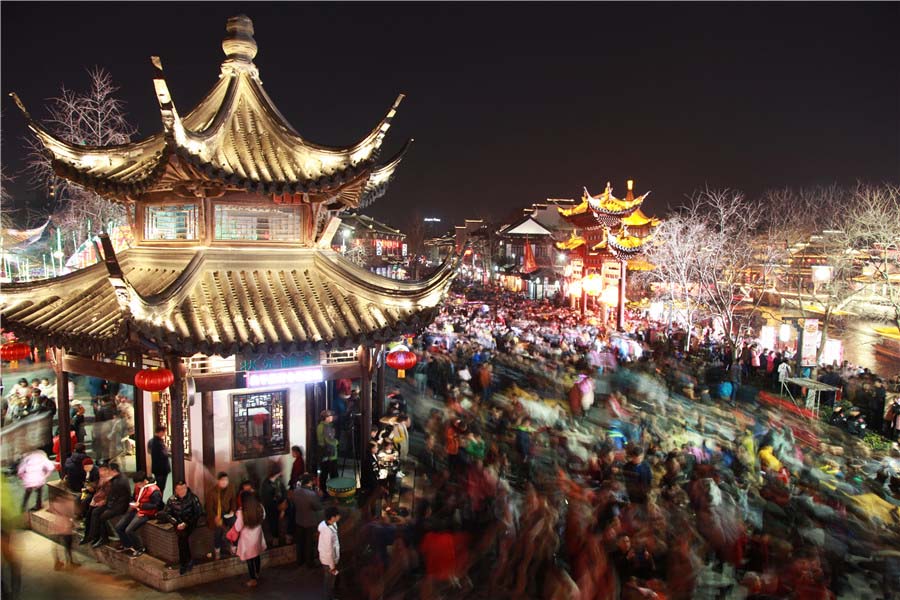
x=401 y=359
x=154 y=380
x=784 y=332
x=592 y=285
x=15 y=351
x=610 y=296
x=630 y=183
x=821 y=273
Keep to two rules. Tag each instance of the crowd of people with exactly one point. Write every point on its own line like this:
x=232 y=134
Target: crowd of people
x=561 y=462
x=537 y=453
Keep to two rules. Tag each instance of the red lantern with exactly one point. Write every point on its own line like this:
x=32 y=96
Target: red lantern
x=401 y=359
x=15 y=351
x=154 y=380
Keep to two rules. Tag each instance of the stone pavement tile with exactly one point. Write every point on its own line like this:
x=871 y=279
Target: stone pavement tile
x=95 y=581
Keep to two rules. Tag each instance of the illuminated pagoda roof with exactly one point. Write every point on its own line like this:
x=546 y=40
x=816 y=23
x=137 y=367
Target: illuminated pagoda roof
x=626 y=246
x=234 y=217
x=639 y=219
x=221 y=301
x=610 y=210
x=234 y=139
x=574 y=241
x=580 y=216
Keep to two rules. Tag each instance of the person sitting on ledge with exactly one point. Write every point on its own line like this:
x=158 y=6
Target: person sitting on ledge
x=147 y=502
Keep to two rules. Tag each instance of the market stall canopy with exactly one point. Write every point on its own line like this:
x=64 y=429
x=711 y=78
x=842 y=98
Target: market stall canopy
x=234 y=139
x=221 y=301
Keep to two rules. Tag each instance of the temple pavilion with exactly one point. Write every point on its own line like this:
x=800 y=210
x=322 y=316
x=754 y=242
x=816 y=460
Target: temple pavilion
x=614 y=233
x=233 y=284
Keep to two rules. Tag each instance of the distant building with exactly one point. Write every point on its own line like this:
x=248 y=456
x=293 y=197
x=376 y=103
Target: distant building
x=377 y=246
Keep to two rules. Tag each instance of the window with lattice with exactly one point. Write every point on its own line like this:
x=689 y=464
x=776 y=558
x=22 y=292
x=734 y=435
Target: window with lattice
x=259 y=424
x=257 y=223
x=171 y=222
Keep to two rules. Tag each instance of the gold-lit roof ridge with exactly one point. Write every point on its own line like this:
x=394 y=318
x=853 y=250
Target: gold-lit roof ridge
x=607 y=203
x=235 y=136
x=223 y=301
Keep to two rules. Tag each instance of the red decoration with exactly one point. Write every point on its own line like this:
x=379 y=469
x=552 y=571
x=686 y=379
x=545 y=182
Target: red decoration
x=15 y=351
x=154 y=380
x=401 y=359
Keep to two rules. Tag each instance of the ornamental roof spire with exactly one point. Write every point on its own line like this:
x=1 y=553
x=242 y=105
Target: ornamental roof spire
x=239 y=47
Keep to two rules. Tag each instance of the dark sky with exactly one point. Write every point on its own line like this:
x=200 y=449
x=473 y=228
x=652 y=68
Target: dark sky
x=513 y=103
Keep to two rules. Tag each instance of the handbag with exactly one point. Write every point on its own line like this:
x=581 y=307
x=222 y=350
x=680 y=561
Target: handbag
x=232 y=535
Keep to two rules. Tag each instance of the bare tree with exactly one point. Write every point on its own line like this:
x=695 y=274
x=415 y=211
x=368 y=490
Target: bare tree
x=742 y=256
x=5 y=198
x=94 y=117
x=681 y=254
x=872 y=227
x=821 y=264
x=358 y=255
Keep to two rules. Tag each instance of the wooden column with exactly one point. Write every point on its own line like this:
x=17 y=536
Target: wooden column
x=140 y=427
x=208 y=431
x=312 y=421
x=62 y=405
x=620 y=320
x=176 y=415
x=365 y=401
x=378 y=411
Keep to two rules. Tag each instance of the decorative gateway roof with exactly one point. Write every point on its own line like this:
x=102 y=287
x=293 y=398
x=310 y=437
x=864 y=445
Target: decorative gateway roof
x=221 y=301
x=574 y=241
x=235 y=139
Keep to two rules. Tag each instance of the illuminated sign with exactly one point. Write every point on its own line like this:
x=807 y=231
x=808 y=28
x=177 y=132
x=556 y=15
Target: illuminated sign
x=378 y=247
x=431 y=220
x=405 y=248
x=254 y=379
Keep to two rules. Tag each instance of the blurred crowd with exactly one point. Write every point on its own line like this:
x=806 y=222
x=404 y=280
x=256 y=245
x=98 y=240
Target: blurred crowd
x=535 y=453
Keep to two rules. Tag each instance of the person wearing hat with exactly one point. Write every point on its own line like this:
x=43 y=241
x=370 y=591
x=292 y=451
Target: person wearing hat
x=328 y=448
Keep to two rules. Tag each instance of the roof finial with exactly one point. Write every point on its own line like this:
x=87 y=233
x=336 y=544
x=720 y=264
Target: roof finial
x=239 y=44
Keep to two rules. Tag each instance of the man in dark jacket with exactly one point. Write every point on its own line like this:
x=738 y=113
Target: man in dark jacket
x=184 y=511
x=74 y=469
x=307 y=514
x=272 y=493
x=159 y=457
x=116 y=506
x=637 y=475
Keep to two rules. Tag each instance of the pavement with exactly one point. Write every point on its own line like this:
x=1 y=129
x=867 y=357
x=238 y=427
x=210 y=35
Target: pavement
x=95 y=581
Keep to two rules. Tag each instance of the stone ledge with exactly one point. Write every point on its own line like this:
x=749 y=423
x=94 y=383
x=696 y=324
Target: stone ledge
x=154 y=573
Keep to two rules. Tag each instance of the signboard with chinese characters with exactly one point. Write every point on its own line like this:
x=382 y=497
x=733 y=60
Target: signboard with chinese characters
x=267 y=362
x=378 y=248
x=577 y=265
x=810 y=342
x=611 y=272
x=259 y=424
x=405 y=248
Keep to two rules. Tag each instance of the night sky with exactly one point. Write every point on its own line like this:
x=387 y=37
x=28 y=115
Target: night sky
x=513 y=103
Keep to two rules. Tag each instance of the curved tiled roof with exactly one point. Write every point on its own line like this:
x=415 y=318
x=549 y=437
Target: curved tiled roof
x=235 y=136
x=222 y=301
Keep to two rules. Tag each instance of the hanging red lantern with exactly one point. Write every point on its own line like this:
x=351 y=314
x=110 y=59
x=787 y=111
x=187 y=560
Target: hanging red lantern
x=154 y=380
x=15 y=351
x=401 y=358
